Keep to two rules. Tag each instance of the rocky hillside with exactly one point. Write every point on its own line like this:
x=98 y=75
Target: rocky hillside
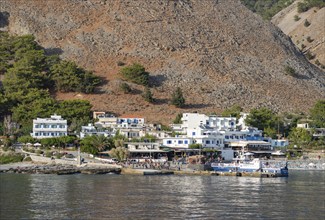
x=217 y=51
x=309 y=39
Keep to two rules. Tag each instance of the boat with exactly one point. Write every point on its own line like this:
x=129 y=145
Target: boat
x=265 y=167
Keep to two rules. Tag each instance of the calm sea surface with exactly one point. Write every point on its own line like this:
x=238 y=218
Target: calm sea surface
x=301 y=196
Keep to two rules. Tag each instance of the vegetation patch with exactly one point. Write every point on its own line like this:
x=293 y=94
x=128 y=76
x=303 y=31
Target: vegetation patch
x=307 y=4
x=31 y=76
x=135 y=73
x=266 y=8
x=290 y=71
x=11 y=158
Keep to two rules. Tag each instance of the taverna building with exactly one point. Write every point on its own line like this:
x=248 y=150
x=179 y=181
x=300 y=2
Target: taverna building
x=55 y=126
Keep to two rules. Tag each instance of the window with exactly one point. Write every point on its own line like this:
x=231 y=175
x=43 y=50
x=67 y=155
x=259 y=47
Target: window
x=227 y=137
x=193 y=133
x=180 y=142
x=207 y=142
x=186 y=142
x=36 y=134
x=169 y=142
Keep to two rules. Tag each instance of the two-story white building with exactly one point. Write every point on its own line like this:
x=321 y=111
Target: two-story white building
x=55 y=126
x=90 y=130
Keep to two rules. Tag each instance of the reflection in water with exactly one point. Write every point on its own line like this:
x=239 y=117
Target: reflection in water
x=161 y=197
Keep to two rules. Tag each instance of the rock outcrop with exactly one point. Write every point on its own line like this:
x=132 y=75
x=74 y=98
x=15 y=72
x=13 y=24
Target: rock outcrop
x=217 y=51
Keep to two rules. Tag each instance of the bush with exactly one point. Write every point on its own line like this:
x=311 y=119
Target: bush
x=195 y=146
x=48 y=154
x=136 y=73
x=306 y=23
x=147 y=95
x=317 y=63
x=120 y=63
x=296 y=18
x=310 y=56
x=177 y=98
x=178 y=119
x=309 y=39
x=303 y=46
x=11 y=158
x=307 y=4
x=125 y=88
x=290 y=71
x=28 y=159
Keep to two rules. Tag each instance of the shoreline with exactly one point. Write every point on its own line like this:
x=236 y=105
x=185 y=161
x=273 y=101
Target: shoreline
x=67 y=169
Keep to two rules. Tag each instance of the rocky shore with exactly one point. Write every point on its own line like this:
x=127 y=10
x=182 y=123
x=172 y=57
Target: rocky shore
x=59 y=169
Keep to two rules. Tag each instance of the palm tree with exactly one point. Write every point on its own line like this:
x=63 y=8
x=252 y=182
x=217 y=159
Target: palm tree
x=94 y=144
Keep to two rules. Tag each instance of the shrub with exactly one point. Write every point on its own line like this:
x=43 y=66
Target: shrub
x=136 y=73
x=307 y=4
x=290 y=71
x=147 y=95
x=296 y=18
x=11 y=158
x=195 y=146
x=120 y=63
x=178 y=119
x=317 y=63
x=306 y=23
x=309 y=55
x=48 y=154
x=309 y=39
x=125 y=88
x=303 y=46
x=28 y=159
x=177 y=98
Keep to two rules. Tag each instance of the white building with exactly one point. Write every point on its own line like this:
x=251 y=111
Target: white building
x=279 y=143
x=51 y=127
x=90 y=130
x=194 y=120
x=179 y=142
x=105 y=120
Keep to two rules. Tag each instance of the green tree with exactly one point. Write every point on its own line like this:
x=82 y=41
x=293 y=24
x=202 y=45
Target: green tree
x=234 y=111
x=306 y=23
x=69 y=77
x=317 y=114
x=136 y=73
x=75 y=110
x=94 y=144
x=195 y=146
x=26 y=139
x=147 y=95
x=125 y=88
x=49 y=142
x=120 y=153
x=270 y=132
x=300 y=136
x=261 y=118
x=178 y=119
x=177 y=98
x=290 y=71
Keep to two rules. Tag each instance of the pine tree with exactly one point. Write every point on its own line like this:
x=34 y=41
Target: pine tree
x=177 y=98
x=147 y=95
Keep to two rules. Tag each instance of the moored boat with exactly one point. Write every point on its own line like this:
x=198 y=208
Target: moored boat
x=256 y=165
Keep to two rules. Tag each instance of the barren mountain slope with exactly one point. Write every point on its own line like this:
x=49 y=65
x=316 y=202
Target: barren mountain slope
x=299 y=33
x=217 y=51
